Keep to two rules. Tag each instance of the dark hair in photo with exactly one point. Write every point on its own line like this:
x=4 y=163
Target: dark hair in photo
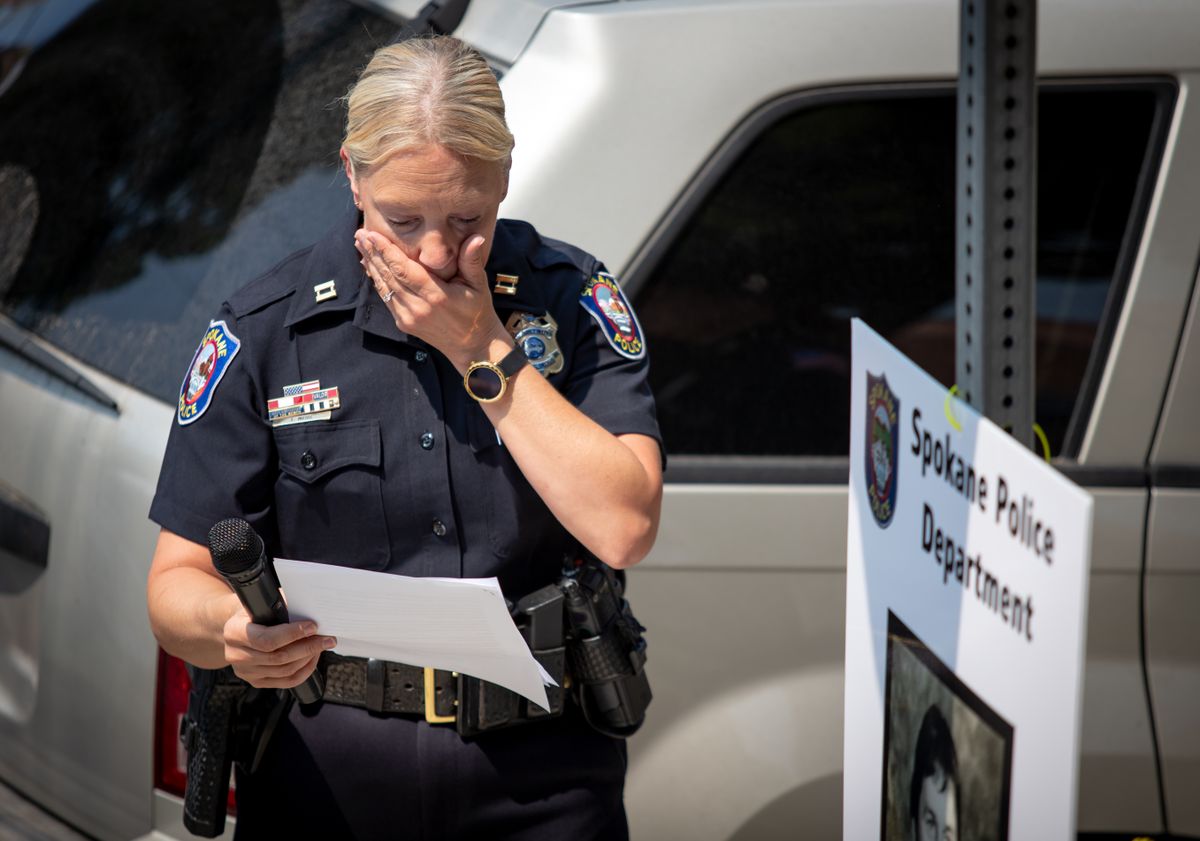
x=935 y=749
x=936 y=727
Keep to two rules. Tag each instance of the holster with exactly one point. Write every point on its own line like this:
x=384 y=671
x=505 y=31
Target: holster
x=613 y=688
x=207 y=734
x=606 y=649
x=227 y=721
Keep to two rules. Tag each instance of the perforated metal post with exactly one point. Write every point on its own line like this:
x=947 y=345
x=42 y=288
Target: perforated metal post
x=997 y=142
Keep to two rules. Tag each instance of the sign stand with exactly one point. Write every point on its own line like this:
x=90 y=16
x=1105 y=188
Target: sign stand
x=995 y=306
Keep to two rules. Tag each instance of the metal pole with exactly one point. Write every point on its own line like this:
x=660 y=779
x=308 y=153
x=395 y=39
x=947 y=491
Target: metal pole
x=996 y=313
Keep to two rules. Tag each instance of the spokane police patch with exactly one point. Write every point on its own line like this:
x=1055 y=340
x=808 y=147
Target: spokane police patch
x=217 y=349
x=883 y=446
x=602 y=297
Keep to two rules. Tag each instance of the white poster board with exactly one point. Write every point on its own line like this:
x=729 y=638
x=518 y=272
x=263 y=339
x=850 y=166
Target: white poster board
x=965 y=608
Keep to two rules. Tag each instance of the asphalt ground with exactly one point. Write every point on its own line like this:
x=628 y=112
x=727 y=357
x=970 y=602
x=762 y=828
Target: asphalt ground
x=23 y=820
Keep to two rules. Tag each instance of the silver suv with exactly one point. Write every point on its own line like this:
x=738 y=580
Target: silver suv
x=758 y=172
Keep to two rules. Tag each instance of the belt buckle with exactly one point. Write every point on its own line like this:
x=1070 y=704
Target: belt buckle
x=431 y=714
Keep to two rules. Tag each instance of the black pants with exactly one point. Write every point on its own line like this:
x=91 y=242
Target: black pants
x=339 y=772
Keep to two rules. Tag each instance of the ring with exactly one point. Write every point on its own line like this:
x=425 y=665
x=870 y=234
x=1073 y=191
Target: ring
x=387 y=297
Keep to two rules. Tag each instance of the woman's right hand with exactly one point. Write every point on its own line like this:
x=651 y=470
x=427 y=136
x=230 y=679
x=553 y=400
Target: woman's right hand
x=275 y=656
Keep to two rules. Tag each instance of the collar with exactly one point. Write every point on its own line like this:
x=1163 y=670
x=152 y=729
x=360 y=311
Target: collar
x=334 y=259
x=511 y=247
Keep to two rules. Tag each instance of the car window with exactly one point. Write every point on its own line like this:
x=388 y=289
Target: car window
x=846 y=209
x=156 y=156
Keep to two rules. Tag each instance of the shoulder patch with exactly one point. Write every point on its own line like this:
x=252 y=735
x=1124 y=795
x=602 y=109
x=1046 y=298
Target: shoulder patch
x=602 y=297
x=217 y=349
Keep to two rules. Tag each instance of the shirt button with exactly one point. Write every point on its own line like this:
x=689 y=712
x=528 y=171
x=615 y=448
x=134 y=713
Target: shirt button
x=307 y=460
x=427 y=441
x=421 y=355
x=439 y=528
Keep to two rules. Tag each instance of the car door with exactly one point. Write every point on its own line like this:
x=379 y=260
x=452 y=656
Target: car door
x=757 y=192
x=839 y=205
x=153 y=158
x=1172 y=585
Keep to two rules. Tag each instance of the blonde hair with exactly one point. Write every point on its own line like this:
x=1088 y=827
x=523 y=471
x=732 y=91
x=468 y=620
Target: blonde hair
x=426 y=91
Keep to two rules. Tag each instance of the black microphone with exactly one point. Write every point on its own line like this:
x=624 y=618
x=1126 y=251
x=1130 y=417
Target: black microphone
x=239 y=555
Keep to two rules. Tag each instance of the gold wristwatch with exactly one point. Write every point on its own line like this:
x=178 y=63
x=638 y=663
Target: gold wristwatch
x=487 y=381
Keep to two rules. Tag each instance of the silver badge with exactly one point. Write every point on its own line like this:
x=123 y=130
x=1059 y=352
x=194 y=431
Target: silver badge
x=535 y=334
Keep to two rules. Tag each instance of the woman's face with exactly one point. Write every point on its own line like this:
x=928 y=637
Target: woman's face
x=937 y=817
x=430 y=201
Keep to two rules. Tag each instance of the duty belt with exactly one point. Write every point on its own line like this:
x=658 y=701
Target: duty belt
x=474 y=706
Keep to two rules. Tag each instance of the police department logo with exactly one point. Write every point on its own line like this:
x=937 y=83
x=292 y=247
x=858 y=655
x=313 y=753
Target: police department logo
x=883 y=445
x=216 y=351
x=605 y=302
x=535 y=335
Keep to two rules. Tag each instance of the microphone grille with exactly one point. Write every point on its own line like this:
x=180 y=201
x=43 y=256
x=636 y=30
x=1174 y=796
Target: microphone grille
x=234 y=545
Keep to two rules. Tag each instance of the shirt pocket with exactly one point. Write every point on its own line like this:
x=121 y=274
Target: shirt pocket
x=329 y=494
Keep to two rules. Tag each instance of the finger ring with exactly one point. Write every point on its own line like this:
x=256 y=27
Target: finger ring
x=387 y=297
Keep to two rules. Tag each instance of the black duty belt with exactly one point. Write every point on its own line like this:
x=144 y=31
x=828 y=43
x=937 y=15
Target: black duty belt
x=474 y=706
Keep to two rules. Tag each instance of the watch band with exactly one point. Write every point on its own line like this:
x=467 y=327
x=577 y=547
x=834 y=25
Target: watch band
x=487 y=382
x=512 y=362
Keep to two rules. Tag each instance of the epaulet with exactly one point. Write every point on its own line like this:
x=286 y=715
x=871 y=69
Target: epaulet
x=552 y=252
x=273 y=285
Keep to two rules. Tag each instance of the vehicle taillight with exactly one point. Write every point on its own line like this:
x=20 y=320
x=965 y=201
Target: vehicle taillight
x=170 y=759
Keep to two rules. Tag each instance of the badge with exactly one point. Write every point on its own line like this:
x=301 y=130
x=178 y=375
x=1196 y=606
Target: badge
x=883 y=445
x=603 y=299
x=303 y=402
x=534 y=334
x=217 y=349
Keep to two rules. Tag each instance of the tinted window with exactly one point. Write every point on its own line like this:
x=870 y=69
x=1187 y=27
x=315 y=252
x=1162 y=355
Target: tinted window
x=154 y=156
x=845 y=210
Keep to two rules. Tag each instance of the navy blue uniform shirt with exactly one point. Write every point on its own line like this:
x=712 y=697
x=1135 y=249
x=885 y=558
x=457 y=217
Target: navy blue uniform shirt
x=407 y=474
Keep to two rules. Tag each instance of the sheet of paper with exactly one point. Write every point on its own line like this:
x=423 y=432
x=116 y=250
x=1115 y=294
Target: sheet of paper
x=454 y=624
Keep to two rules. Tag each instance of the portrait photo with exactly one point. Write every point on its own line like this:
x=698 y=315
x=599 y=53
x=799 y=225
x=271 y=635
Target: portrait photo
x=947 y=755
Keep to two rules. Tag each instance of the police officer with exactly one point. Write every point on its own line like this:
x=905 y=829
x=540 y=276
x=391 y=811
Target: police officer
x=425 y=391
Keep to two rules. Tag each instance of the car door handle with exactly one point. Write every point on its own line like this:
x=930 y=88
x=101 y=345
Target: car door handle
x=24 y=542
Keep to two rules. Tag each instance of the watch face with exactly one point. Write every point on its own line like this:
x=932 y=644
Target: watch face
x=484 y=383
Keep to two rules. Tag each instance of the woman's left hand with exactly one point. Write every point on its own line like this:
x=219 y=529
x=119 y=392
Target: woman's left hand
x=455 y=316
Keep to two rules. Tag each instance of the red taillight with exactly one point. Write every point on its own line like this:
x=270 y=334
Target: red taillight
x=170 y=759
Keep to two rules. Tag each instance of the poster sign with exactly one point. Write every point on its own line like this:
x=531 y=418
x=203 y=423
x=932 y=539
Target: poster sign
x=965 y=612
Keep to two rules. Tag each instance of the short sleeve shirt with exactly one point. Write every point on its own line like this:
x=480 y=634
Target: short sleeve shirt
x=342 y=440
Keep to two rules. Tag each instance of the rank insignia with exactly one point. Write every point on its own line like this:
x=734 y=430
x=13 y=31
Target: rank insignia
x=883 y=446
x=326 y=291
x=303 y=402
x=602 y=297
x=217 y=349
x=535 y=334
x=506 y=284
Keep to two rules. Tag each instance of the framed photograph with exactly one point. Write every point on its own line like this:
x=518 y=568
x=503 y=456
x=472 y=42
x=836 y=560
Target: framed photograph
x=947 y=755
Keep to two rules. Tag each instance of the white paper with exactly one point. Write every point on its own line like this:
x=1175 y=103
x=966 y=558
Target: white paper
x=454 y=624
